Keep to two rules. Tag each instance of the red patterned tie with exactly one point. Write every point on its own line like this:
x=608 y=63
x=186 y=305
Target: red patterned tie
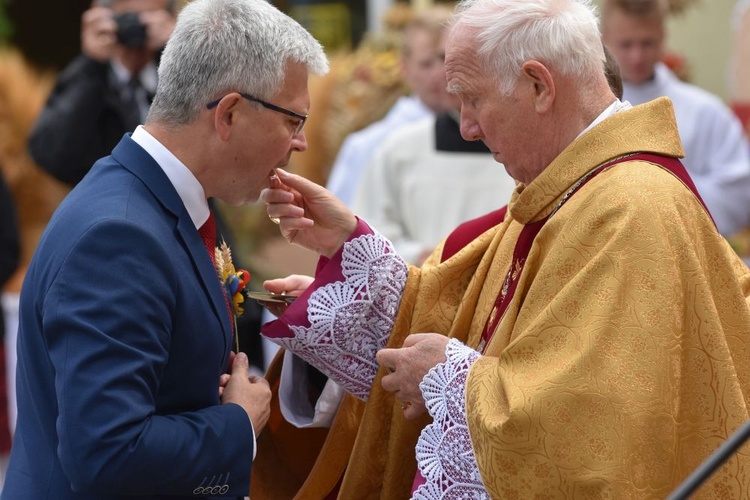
x=208 y=233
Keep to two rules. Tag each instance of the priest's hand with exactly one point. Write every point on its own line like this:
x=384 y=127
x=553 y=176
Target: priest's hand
x=408 y=366
x=308 y=214
x=159 y=26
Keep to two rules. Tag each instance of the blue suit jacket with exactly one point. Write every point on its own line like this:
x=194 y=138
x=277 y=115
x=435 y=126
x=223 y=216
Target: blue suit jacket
x=124 y=333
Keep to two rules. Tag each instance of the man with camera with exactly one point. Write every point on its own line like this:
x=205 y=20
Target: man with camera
x=106 y=90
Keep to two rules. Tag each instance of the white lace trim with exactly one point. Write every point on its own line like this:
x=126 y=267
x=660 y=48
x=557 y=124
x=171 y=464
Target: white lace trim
x=445 y=455
x=351 y=320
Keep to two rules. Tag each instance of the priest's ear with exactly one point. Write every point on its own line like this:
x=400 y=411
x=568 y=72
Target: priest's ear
x=540 y=82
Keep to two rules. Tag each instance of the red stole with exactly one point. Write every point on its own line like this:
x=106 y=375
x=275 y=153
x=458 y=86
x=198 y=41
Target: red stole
x=468 y=231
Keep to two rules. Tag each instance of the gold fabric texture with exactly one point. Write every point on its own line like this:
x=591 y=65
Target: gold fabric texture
x=622 y=360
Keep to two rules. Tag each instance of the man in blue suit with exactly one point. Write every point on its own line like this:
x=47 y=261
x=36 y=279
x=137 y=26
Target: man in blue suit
x=127 y=386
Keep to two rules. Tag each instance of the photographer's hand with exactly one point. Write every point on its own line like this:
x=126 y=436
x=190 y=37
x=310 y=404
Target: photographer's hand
x=159 y=26
x=98 y=34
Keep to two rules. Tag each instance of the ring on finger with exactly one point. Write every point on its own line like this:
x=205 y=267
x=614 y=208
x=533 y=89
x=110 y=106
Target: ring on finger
x=275 y=220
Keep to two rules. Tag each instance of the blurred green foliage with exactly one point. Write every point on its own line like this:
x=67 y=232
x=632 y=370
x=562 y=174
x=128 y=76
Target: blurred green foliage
x=6 y=29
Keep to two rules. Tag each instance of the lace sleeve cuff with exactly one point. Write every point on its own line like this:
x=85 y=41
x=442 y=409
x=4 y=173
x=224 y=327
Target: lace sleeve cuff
x=445 y=455
x=346 y=315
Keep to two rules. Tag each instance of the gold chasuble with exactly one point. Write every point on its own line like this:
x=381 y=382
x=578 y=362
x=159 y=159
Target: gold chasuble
x=621 y=361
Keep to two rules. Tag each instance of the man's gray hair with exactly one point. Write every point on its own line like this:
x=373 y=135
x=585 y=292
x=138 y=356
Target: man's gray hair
x=561 y=34
x=222 y=46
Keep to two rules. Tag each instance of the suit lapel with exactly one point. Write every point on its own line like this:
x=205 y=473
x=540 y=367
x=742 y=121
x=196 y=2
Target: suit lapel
x=207 y=272
x=135 y=159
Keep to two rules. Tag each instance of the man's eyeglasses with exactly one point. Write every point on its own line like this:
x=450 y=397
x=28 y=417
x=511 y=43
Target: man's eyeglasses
x=273 y=107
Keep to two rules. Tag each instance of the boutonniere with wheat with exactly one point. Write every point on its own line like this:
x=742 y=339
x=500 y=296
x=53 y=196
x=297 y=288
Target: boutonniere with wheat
x=235 y=284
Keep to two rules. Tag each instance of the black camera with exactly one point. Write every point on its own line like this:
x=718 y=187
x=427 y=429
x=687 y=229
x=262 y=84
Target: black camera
x=130 y=31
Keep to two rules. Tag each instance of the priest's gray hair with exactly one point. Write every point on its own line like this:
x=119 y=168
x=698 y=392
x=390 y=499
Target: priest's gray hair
x=561 y=34
x=222 y=46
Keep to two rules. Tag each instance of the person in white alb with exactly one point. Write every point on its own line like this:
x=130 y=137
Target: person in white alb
x=425 y=181
x=422 y=70
x=717 y=153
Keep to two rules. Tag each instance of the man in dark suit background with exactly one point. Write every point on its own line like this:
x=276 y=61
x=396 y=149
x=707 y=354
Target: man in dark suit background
x=126 y=382
x=106 y=90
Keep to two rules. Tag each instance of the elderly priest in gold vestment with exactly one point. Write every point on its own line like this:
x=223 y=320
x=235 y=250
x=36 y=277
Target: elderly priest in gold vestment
x=589 y=341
